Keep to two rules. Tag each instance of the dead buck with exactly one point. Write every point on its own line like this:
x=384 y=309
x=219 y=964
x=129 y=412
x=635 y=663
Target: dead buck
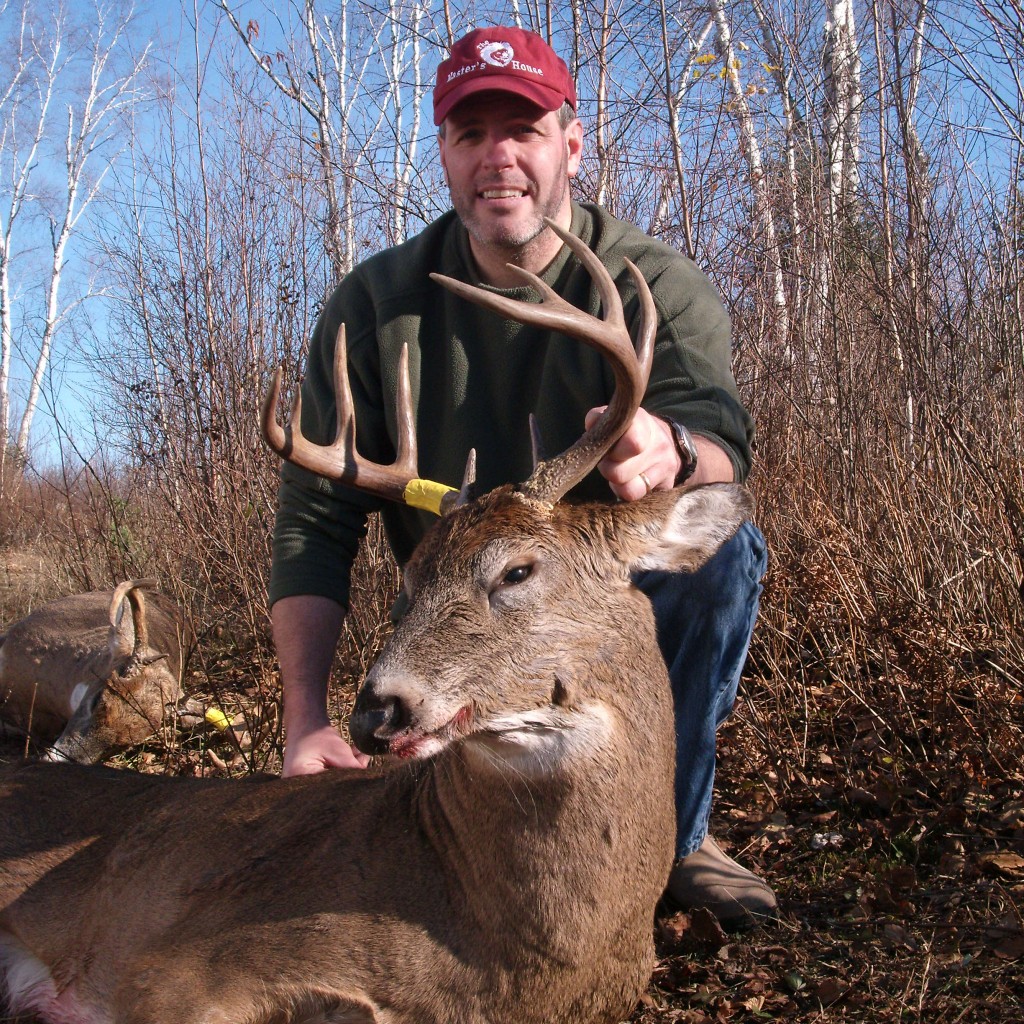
x=92 y=673
x=504 y=872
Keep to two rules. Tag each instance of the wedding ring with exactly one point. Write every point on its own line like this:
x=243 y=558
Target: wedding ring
x=647 y=483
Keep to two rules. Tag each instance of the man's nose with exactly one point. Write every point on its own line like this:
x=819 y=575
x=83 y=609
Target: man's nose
x=500 y=152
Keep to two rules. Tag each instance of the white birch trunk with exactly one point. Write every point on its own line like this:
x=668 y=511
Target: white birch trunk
x=90 y=128
x=602 y=117
x=844 y=100
x=779 y=67
x=19 y=89
x=758 y=182
x=404 y=148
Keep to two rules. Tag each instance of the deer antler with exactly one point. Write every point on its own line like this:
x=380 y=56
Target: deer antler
x=553 y=478
x=340 y=461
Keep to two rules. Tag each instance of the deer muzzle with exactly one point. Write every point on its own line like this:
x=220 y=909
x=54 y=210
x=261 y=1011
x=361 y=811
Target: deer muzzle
x=376 y=720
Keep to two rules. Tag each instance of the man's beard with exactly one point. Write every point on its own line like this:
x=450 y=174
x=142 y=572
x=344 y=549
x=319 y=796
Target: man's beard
x=515 y=235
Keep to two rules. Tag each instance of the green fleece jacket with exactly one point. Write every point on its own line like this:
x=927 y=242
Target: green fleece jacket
x=476 y=378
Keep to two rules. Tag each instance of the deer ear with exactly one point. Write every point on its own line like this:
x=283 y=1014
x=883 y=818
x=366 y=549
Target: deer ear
x=121 y=637
x=688 y=527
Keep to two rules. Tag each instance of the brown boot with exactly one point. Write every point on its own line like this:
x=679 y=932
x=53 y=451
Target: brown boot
x=708 y=878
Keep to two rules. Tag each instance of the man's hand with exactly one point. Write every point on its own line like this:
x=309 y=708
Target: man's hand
x=319 y=750
x=645 y=448
x=649 y=448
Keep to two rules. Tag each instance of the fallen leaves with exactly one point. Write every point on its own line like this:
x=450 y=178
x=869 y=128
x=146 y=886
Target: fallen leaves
x=901 y=886
x=1004 y=865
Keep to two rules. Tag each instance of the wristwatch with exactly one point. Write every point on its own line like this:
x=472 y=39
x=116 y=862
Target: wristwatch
x=685 y=447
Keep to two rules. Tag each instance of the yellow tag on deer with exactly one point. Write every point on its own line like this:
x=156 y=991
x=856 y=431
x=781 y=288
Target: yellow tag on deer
x=425 y=494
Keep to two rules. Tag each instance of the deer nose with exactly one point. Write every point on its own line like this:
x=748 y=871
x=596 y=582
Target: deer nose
x=375 y=719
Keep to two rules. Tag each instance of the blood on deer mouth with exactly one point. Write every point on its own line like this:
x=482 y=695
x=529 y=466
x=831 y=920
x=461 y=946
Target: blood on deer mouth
x=408 y=744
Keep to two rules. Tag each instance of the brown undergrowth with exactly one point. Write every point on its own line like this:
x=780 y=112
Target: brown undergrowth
x=872 y=772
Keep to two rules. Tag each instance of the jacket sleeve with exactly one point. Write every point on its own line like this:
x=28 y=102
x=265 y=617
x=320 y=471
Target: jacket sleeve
x=691 y=378
x=320 y=522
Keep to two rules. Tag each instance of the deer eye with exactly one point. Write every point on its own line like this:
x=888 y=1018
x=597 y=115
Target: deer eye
x=516 y=574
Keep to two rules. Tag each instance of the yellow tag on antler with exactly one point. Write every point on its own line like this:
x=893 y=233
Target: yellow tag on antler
x=426 y=494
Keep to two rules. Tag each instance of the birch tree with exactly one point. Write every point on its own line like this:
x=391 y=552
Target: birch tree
x=17 y=171
x=404 y=145
x=332 y=74
x=907 y=56
x=329 y=53
x=676 y=87
x=60 y=110
x=759 y=182
x=843 y=102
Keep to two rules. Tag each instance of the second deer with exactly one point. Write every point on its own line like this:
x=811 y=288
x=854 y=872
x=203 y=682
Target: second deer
x=89 y=674
x=505 y=871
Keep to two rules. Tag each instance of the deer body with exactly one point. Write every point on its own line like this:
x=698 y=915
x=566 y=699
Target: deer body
x=91 y=673
x=505 y=873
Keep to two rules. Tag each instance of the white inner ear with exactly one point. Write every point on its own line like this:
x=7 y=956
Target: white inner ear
x=77 y=696
x=700 y=522
x=122 y=632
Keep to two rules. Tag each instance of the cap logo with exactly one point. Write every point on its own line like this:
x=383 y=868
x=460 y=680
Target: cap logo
x=498 y=55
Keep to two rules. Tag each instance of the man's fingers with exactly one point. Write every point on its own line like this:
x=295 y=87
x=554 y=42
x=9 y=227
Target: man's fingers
x=632 y=490
x=321 y=750
x=642 y=460
x=633 y=442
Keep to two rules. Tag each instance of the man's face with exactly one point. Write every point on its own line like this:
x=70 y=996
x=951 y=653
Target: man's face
x=508 y=164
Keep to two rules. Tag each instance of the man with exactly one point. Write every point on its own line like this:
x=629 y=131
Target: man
x=509 y=141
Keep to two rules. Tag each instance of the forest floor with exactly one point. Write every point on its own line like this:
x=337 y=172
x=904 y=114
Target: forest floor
x=900 y=885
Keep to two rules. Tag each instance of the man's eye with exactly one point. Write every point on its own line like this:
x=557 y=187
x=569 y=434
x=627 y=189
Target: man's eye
x=517 y=575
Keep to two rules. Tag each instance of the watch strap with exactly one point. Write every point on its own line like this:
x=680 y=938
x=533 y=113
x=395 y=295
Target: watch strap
x=686 y=448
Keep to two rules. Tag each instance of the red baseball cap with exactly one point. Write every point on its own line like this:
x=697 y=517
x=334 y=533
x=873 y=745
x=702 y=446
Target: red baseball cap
x=503 y=59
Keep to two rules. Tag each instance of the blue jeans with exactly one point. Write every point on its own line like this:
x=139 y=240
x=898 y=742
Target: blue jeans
x=704 y=621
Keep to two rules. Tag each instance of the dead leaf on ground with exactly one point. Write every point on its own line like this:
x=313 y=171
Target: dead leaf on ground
x=829 y=990
x=704 y=927
x=1008 y=865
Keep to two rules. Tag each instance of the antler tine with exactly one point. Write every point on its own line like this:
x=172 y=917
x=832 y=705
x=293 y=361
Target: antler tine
x=609 y=335
x=340 y=460
x=468 y=479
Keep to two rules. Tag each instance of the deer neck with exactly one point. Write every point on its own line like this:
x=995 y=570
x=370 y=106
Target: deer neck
x=542 y=850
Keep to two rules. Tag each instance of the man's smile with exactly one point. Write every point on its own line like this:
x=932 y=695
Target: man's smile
x=503 y=192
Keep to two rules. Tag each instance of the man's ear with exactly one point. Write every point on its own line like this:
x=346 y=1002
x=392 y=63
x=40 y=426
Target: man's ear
x=681 y=530
x=574 y=143
x=441 y=154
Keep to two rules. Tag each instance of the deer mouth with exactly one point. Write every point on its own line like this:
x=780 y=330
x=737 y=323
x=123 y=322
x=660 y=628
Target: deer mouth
x=408 y=745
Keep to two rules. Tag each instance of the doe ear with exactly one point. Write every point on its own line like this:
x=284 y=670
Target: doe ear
x=684 y=529
x=121 y=636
